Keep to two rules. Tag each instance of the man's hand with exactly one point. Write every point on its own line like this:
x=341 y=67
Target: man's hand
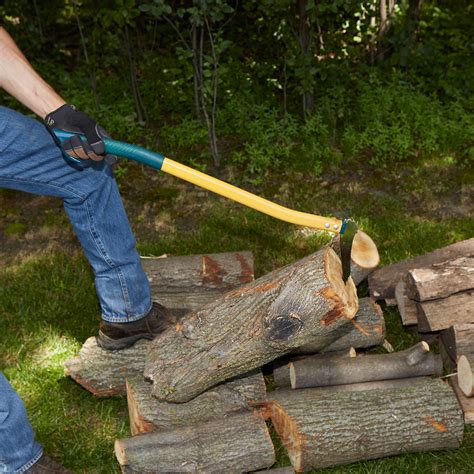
x=69 y=119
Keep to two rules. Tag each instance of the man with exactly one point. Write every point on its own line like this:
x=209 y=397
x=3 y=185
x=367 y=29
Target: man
x=31 y=161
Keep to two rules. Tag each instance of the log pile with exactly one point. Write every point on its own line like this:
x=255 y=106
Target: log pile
x=196 y=395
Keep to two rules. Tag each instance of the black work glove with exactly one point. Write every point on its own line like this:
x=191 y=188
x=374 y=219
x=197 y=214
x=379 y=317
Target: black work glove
x=69 y=119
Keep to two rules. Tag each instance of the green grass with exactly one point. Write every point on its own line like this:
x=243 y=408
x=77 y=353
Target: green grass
x=49 y=308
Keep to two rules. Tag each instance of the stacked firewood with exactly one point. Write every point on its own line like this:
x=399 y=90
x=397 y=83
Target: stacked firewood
x=197 y=397
x=435 y=296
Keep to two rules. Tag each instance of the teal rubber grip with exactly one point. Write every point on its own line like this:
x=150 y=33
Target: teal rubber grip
x=126 y=150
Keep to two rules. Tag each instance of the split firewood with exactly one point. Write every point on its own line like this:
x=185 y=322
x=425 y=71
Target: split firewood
x=364 y=255
x=382 y=281
x=414 y=362
x=466 y=403
x=328 y=428
x=367 y=330
x=251 y=326
x=148 y=414
x=459 y=340
x=407 y=307
x=182 y=284
x=281 y=371
x=237 y=443
x=189 y=282
x=465 y=376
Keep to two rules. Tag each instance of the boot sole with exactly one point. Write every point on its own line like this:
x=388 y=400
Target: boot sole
x=109 y=344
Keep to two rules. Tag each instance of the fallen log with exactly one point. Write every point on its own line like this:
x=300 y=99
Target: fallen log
x=466 y=403
x=281 y=372
x=237 y=443
x=251 y=326
x=316 y=372
x=364 y=256
x=465 y=376
x=148 y=414
x=407 y=308
x=367 y=330
x=382 y=281
x=328 y=428
x=459 y=340
x=102 y=372
x=181 y=283
x=189 y=282
x=436 y=315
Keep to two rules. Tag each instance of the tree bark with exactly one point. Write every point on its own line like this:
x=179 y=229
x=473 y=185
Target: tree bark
x=328 y=428
x=382 y=281
x=238 y=443
x=184 y=283
x=459 y=340
x=316 y=372
x=148 y=414
x=367 y=330
x=251 y=326
x=407 y=308
x=465 y=376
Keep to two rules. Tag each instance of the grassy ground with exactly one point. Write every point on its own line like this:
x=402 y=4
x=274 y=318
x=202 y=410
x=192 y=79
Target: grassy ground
x=49 y=306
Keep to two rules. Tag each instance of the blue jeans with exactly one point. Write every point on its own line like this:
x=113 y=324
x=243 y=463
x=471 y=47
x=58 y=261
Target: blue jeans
x=18 y=448
x=30 y=161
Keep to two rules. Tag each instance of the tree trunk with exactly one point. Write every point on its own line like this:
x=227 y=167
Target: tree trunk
x=465 y=376
x=238 y=443
x=185 y=283
x=407 y=308
x=367 y=330
x=466 y=403
x=328 y=428
x=382 y=281
x=148 y=414
x=251 y=326
x=305 y=31
x=317 y=372
x=459 y=340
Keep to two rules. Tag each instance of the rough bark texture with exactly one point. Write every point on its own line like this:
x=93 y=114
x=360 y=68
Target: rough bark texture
x=440 y=314
x=466 y=403
x=441 y=280
x=180 y=283
x=184 y=283
x=459 y=340
x=238 y=443
x=326 y=428
x=367 y=330
x=364 y=256
x=316 y=372
x=382 y=281
x=252 y=326
x=149 y=414
x=465 y=376
x=102 y=372
x=407 y=308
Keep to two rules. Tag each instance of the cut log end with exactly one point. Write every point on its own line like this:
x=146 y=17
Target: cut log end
x=364 y=251
x=346 y=292
x=465 y=376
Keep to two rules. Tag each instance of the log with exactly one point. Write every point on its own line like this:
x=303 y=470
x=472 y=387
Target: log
x=414 y=362
x=407 y=308
x=382 y=281
x=437 y=315
x=237 y=443
x=364 y=256
x=466 y=403
x=441 y=280
x=465 y=376
x=367 y=330
x=148 y=414
x=181 y=283
x=325 y=428
x=251 y=326
x=102 y=372
x=281 y=371
x=184 y=283
x=459 y=340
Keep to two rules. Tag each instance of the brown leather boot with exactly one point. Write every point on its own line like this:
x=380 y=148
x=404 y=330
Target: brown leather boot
x=45 y=465
x=117 y=336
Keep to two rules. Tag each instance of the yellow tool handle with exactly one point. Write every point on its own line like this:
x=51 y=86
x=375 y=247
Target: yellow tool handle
x=248 y=199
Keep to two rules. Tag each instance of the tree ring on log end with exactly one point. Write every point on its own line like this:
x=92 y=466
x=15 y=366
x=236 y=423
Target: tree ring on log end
x=364 y=252
x=344 y=293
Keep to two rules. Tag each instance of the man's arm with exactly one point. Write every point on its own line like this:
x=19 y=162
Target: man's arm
x=19 y=79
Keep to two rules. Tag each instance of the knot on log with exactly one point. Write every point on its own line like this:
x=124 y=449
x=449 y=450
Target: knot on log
x=283 y=327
